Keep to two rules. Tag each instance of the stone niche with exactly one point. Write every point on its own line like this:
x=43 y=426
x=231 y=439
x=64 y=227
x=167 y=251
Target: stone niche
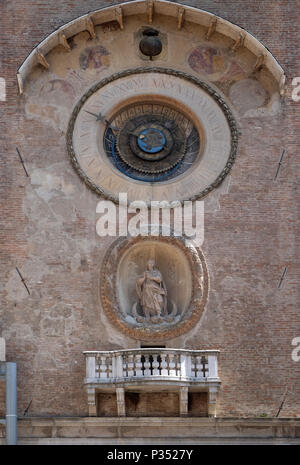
x=176 y=273
x=184 y=284
x=198 y=404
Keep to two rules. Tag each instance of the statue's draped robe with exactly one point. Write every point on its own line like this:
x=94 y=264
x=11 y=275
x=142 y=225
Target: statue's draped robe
x=152 y=293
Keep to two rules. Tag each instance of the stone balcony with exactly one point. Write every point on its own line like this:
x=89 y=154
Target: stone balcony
x=153 y=370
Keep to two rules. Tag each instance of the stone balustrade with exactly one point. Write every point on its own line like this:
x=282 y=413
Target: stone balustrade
x=134 y=369
x=196 y=365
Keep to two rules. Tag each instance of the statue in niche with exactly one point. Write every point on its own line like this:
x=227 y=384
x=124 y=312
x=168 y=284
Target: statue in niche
x=152 y=292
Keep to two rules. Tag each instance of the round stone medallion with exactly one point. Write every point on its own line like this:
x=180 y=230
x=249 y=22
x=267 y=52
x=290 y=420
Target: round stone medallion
x=154 y=133
x=175 y=299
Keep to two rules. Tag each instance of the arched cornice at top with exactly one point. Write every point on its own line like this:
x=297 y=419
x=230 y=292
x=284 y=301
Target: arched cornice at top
x=151 y=8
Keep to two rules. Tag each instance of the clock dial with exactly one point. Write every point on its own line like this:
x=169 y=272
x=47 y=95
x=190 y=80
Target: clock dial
x=152 y=143
x=154 y=134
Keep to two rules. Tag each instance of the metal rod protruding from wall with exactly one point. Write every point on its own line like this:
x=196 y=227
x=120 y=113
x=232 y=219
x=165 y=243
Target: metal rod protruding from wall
x=11 y=403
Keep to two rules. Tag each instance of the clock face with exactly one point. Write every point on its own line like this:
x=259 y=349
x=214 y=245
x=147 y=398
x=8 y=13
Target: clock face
x=156 y=135
x=151 y=142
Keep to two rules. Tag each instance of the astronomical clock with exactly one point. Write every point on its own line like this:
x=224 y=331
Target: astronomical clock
x=145 y=96
x=155 y=133
x=148 y=99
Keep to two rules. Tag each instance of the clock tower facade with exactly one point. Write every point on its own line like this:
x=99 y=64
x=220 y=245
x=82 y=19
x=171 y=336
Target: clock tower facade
x=127 y=129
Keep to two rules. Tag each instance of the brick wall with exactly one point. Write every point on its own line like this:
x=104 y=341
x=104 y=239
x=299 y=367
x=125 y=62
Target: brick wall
x=248 y=241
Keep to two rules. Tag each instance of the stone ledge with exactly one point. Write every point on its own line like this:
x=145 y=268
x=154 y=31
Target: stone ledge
x=153 y=430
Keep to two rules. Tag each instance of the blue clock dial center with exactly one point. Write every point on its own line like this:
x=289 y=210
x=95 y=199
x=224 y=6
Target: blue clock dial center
x=151 y=140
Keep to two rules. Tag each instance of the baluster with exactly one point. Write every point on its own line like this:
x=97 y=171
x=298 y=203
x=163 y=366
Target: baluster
x=130 y=365
x=125 y=368
x=109 y=367
x=147 y=365
x=193 y=366
x=102 y=367
x=177 y=364
x=172 y=364
x=155 y=365
x=97 y=366
x=199 y=372
x=151 y=364
x=204 y=367
x=164 y=365
x=159 y=363
x=138 y=365
x=143 y=364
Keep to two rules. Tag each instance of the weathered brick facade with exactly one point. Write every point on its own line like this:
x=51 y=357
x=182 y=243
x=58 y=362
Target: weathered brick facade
x=48 y=232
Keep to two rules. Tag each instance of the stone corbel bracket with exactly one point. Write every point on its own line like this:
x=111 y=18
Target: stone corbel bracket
x=150 y=10
x=90 y=27
x=119 y=16
x=211 y=28
x=180 y=18
x=88 y=22
x=259 y=62
x=41 y=59
x=239 y=42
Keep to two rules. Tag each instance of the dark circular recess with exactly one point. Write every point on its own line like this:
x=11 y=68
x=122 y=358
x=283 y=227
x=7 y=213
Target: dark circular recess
x=169 y=145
